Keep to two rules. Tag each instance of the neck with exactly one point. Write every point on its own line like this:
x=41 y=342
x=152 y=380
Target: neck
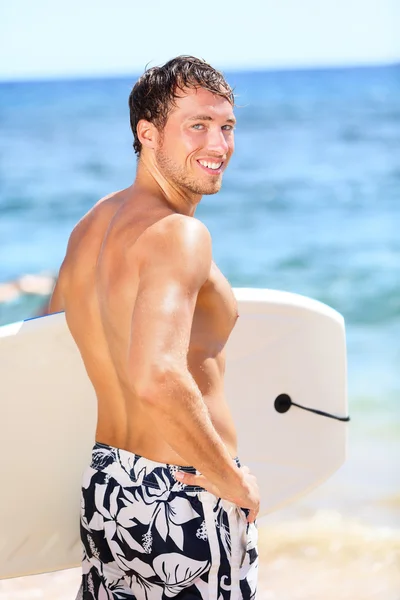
x=149 y=178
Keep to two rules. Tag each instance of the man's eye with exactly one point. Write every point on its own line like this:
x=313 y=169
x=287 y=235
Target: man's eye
x=198 y=126
x=228 y=127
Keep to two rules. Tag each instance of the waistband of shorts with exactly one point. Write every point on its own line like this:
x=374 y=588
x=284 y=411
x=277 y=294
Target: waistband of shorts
x=141 y=470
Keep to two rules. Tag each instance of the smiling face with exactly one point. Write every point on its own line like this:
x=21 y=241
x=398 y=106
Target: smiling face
x=197 y=142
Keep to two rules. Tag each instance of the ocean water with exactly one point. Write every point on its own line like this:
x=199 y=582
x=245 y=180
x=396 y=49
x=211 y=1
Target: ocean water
x=310 y=204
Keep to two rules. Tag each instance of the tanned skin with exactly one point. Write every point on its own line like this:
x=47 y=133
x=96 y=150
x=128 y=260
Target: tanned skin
x=150 y=311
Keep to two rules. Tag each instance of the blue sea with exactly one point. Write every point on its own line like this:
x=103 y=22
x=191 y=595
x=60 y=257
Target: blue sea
x=310 y=204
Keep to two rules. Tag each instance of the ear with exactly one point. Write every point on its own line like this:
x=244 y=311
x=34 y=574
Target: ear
x=147 y=133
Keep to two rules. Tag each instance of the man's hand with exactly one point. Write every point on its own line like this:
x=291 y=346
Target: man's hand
x=247 y=496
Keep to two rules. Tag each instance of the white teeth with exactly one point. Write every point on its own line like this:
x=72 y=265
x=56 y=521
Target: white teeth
x=210 y=165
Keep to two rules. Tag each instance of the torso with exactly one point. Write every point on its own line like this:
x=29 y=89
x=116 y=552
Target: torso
x=92 y=270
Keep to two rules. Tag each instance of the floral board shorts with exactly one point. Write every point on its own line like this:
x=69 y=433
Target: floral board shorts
x=147 y=536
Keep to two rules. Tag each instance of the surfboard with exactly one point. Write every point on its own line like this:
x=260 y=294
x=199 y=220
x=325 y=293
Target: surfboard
x=285 y=382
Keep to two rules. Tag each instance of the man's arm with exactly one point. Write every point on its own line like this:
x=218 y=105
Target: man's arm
x=176 y=263
x=55 y=303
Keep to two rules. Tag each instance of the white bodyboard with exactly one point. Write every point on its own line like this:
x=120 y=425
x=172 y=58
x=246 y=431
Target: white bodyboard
x=283 y=343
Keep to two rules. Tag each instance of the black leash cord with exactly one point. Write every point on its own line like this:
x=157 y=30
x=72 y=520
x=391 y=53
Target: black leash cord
x=283 y=402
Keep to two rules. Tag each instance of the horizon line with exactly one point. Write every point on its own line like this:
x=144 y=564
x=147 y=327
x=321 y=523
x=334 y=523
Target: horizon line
x=52 y=77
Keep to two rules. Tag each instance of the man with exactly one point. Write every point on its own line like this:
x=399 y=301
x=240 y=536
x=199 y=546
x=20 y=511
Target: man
x=167 y=511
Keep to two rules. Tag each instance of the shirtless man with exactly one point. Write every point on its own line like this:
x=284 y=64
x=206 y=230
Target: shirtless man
x=167 y=510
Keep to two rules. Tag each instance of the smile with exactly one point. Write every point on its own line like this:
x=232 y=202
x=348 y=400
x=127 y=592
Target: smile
x=211 y=167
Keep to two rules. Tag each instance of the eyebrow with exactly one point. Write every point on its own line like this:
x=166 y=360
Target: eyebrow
x=208 y=118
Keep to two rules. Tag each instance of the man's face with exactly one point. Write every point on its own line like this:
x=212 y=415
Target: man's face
x=197 y=141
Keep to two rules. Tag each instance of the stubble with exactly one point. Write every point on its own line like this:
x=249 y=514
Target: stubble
x=179 y=176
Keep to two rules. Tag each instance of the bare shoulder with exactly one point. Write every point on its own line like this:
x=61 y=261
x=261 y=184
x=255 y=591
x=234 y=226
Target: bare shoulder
x=177 y=234
x=177 y=243
x=102 y=210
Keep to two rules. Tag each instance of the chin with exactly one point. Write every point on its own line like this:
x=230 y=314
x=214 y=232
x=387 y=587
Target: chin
x=211 y=188
x=209 y=192
x=202 y=188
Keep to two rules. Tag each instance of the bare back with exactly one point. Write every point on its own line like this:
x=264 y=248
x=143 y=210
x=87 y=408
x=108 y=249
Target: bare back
x=99 y=283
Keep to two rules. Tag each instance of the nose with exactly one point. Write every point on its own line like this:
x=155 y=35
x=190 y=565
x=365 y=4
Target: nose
x=217 y=141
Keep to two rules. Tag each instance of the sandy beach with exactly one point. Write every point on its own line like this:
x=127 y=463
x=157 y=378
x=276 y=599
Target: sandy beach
x=321 y=558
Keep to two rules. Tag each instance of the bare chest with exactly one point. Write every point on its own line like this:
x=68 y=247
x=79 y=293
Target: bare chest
x=215 y=315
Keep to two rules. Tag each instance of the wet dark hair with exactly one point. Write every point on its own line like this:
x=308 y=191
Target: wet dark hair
x=153 y=95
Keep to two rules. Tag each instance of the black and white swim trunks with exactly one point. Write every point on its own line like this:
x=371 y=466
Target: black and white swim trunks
x=147 y=536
